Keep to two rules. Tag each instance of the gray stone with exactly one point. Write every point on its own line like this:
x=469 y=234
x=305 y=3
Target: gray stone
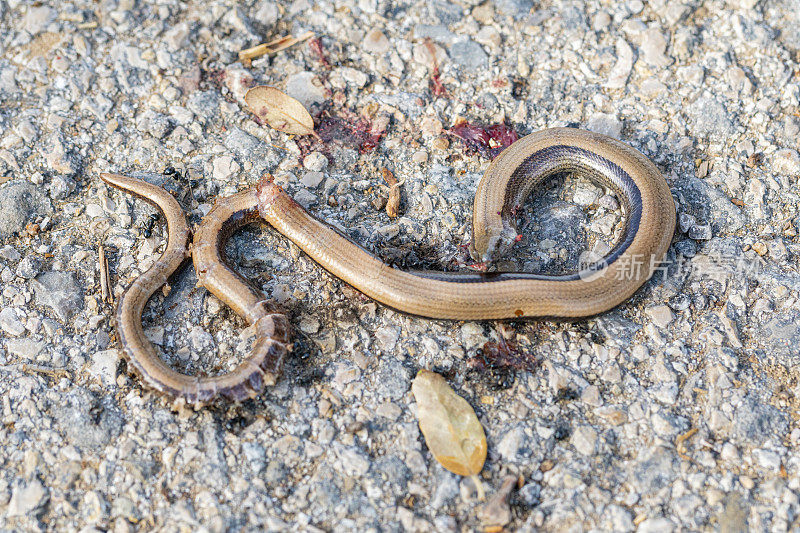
x=10 y=322
x=20 y=201
x=710 y=117
x=755 y=422
x=87 y=420
x=529 y=495
x=446 y=491
x=60 y=156
x=59 y=291
x=61 y=187
x=468 y=54
x=306 y=88
x=514 y=444
x=393 y=379
x=312 y=179
x=653 y=469
x=29 y=267
x=517 y=9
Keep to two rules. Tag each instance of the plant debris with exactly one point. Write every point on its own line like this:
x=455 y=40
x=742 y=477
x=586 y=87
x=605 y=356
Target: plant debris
x=501 y=360
x=348 y=129
x=451 y=429
x=279 y=110
x=316 y=46
x=273 y=46
x=436 y=86
x=496 y=513
x=488 y=141
x=393 y=203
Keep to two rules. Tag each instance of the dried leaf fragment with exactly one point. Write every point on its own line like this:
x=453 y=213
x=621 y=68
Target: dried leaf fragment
x=393 y=203
x=279 y=110
x=496 y=513
x=451 y=429
x=273 y=46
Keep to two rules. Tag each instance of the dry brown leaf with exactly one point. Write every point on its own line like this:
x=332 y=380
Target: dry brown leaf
x=452 y=432
x=279 y=110
x=273 y=46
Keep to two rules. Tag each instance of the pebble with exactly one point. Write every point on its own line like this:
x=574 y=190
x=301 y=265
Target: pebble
x=10 y=322
x=28 y=499
x=19 y=202
x=375 y=42
x=661 y=315
x=61 y=187
x=27 y=348
x=584 y=439
x=60 y=292
x=656 y=525
x=224 y=167
x=431 y=55
x=606 y=124
x=315 y=162
x=306 y=88
x=654 y=46
x=709 y=116
x=468 y=54
x=618 y=75
x=312 y=179
x=786 y=161
x=37 y=19
x=514 y=445
x=104 y=366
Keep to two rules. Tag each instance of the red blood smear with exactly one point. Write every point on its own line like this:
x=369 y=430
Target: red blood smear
x=479 y=138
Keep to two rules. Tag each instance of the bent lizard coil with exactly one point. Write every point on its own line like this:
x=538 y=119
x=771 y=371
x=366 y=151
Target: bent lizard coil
x=650 y=224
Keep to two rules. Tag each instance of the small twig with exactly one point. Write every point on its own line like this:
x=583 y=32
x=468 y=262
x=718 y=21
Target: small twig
x=679 y=443
x=273 y=46
x=55 y=372
x=105 y=278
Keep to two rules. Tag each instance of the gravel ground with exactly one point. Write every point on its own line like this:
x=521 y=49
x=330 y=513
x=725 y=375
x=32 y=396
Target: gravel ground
x=676 y=411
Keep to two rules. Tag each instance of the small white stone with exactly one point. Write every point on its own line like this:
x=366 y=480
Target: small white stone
x=376 y=42
x=605 y=123
x=224 y=167
x=584 y=438
x=353 y=76
x=27 y=498
x=654 y=45
x=104 y=366
x=315 y=161
x=656 y=525
x=309 y=324
x=786 y=161
x=306 y=88
x=489 y=36
x=767 y=459
x=661 y=315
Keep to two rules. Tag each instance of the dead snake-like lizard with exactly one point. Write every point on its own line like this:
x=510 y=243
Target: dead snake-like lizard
x=650 y=224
